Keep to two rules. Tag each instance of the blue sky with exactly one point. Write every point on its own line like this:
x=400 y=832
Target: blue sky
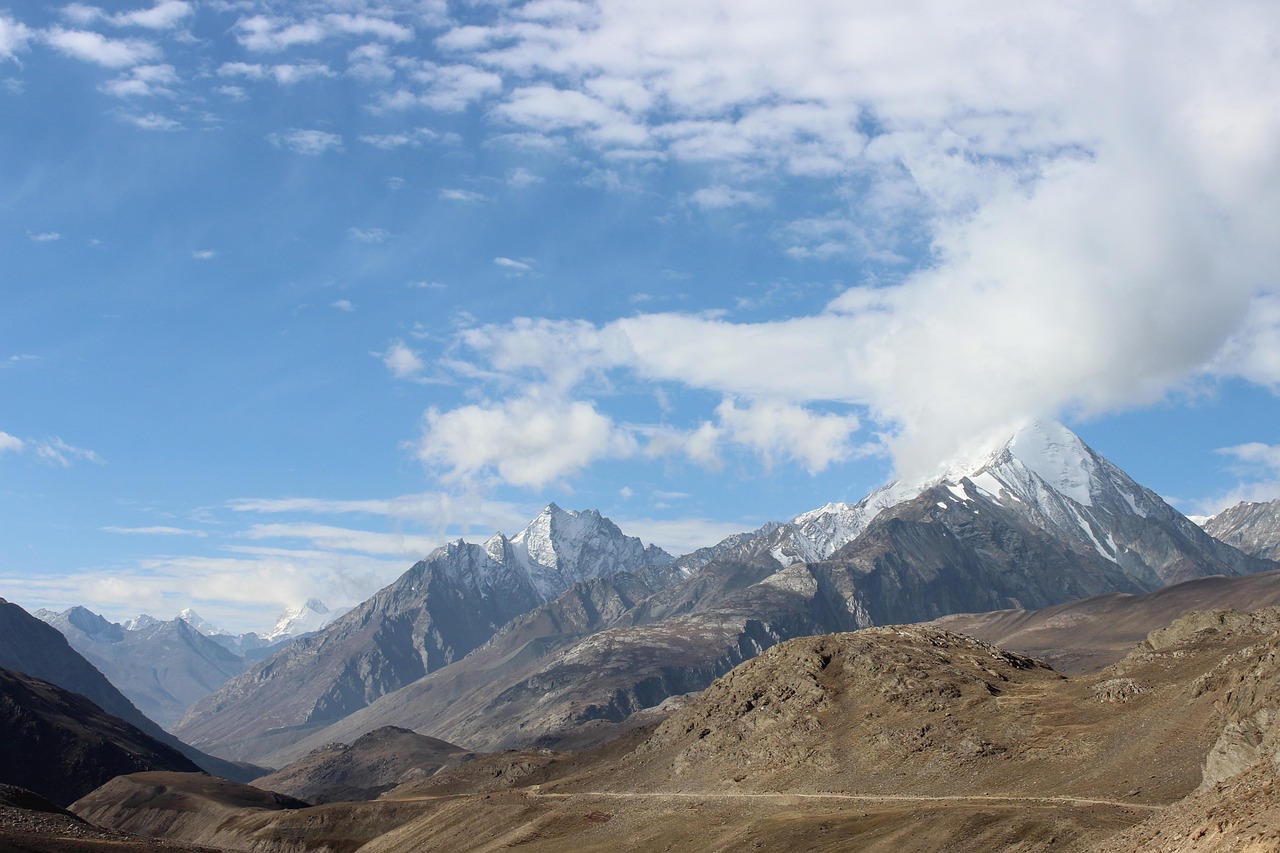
x=294 y=292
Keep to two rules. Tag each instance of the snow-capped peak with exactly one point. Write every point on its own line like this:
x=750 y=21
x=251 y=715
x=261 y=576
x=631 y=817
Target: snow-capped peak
x=195 y=620
x=304 y=619
x=1040 y=459
x=556 y=549
x=139 y=622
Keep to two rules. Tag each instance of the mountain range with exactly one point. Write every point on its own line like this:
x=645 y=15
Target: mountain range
x=571 y=624
x=579 y=677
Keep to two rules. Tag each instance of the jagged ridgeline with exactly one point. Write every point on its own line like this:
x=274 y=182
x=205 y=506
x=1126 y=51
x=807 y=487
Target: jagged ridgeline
x=570 y=622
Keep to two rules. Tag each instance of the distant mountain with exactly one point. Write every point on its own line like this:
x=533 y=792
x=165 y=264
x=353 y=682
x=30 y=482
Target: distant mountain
x=62 y=746
x=162 y=667
x=304 y=619
x=433 y=615
x=34 y=648
x=1252 y=527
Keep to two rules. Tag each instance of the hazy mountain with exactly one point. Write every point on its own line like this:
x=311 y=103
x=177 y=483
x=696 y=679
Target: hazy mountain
x=433 y=615
x=162 y=667
x=34 y=648
x=1252 y=527
x=306 y=618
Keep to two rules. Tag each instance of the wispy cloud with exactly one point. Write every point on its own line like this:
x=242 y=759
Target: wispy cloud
x=204 y=254
x=270 y=33
x=44 y=236
x=156 y=531
x=10 y=443
x=309 y=142
x=55 y=451
x=165 y=15
x=465 y=196
x=517 y=267
x=345 y=305
x=154 y=121
x=391 y=141
x=369 y=235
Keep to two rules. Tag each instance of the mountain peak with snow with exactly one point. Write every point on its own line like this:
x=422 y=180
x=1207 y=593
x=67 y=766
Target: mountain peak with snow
x=555 y=550
x=306 y=618
x=195 y=620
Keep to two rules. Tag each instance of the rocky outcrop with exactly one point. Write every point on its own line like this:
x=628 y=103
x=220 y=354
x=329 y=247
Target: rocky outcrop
x=372 y=765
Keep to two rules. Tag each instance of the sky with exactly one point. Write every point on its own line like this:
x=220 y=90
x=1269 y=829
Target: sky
x=293 y=293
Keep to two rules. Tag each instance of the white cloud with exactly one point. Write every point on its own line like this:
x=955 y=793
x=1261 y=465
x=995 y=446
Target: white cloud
x=465 y=196
x=165 y=15
x=777 y=430
x=343 y=305
x=45 y=236
x=522 y=177
x=528 y=441
x=143 y=80
x=96 y=48
x=1257 y=465
x=445 y=88
x=309 y=142
x=204 y=254
x=285 y=73
x=392 y=141
x=403 y=362
x=14 y=36
x=267 y=33
x=154 y=121
x=10 y=444
x=514 y=265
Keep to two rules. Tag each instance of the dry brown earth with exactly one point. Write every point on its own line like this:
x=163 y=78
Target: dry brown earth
x=889 y=739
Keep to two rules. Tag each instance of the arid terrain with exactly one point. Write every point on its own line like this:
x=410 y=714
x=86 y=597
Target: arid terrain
x=895 y=738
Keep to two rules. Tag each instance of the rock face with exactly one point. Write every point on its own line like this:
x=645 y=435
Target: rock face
x=162 y=667
x=432 y=616
x=1254 y=528
x=61 y=745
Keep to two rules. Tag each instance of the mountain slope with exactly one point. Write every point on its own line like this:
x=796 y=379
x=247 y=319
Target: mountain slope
x=60 y=745
x=30 y=646
x=1040 y=521
x=433 y=615
x=162 y=667
x=1252 y=527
